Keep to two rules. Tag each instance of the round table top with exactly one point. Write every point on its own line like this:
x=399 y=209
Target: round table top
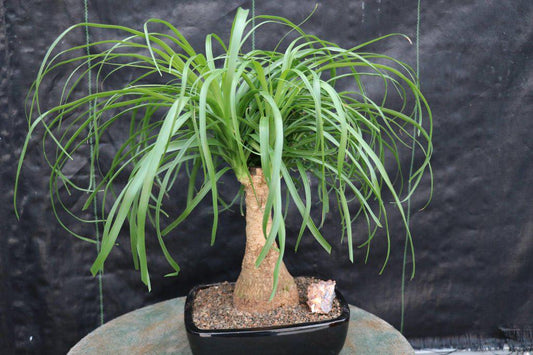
x=159 y=329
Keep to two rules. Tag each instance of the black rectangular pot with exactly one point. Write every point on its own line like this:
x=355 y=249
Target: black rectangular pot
x=320 y=338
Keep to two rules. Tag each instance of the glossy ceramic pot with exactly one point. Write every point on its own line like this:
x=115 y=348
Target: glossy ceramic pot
x=320 y=338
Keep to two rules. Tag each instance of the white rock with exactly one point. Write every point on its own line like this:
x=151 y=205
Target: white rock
x=320 y=296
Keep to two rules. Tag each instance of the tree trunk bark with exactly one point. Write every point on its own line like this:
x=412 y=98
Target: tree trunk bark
x=254 y=285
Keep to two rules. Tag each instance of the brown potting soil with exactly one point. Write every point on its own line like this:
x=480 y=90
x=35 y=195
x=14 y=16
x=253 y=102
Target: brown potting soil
x=213 y=309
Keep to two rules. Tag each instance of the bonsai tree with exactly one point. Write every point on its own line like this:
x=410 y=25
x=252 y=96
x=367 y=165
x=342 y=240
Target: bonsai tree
x=303 y=123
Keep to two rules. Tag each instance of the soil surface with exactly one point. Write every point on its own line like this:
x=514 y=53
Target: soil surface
x=213 y=309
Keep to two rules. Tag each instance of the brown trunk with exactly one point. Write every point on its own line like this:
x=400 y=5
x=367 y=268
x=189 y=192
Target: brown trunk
x=254 y=285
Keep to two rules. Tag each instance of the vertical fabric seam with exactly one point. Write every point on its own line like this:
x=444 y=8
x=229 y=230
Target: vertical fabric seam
x=92 y=175
x=409 y=186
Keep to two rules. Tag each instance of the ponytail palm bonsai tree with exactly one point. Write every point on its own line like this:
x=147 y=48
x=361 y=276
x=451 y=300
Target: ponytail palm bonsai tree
x=298 y=123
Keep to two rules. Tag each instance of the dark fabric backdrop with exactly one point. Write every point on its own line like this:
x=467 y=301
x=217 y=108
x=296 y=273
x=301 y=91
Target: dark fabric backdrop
x=474 y=242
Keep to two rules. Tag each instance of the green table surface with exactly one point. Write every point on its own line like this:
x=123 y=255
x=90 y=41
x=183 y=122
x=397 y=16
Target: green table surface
x=159 y=329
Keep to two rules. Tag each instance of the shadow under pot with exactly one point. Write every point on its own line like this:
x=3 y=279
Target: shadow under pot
x=320 y=338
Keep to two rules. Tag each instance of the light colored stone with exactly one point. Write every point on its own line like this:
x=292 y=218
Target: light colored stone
x=320 y=296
